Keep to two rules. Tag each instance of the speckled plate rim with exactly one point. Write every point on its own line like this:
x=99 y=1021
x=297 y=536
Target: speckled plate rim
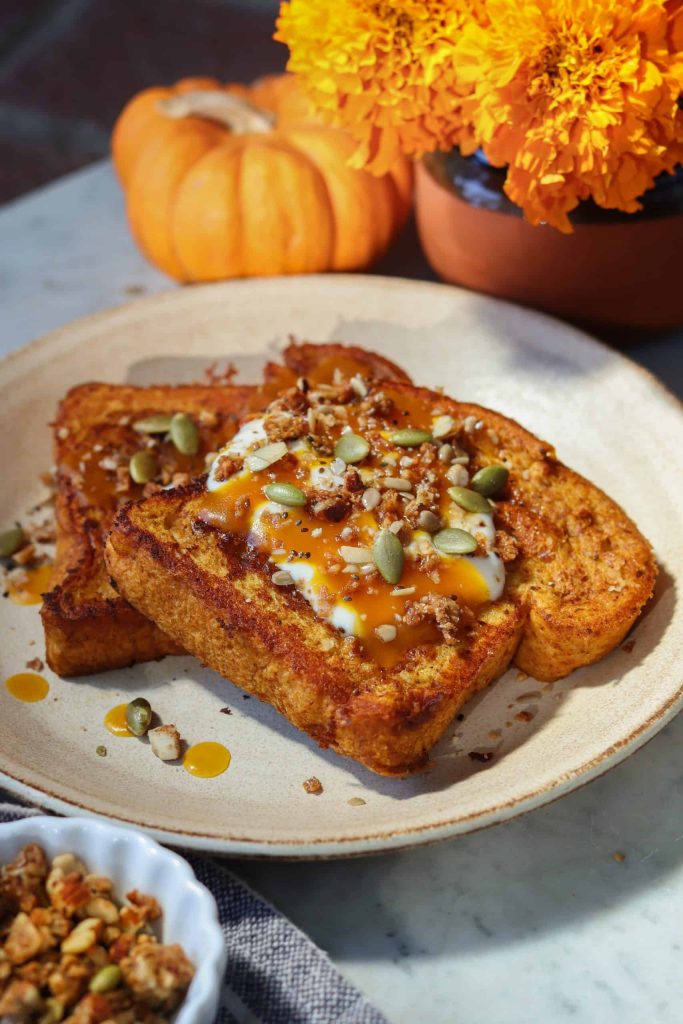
x=410 y=835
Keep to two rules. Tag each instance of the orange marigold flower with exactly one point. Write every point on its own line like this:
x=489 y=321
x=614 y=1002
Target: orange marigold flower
x=383 y=70
x=579 y=98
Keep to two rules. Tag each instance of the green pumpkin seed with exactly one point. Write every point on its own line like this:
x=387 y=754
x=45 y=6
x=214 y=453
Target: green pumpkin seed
x=471 y=501
x=184 y=434
x=490 y=480
x=388 y=556
x=351 y=448
x=139 y=716
x=285 y=494
x=454 y=542
x=143 y=466
x=410 y=438
x=159 y=423
x=10 y=541
x=107 y=979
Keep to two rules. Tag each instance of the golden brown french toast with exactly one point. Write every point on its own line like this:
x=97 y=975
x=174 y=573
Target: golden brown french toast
x=88 y=627
x=366 y=558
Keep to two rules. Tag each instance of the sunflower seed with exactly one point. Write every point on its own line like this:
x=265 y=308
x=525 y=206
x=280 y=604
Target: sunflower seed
x=261 y=458
x=356 y=556
x=358 y=386
x=397 y=483
x=458 y=475
x=371 y=498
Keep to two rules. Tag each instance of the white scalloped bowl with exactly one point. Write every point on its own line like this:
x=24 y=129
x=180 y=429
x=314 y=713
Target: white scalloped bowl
x=134 y=861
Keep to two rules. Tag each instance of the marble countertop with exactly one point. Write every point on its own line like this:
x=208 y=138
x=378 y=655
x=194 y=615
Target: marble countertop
x=531 y=921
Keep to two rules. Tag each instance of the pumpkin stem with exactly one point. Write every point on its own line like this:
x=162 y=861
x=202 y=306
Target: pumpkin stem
x=232 y=111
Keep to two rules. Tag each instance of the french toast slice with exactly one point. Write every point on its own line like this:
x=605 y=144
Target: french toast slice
x=88 y=626
x=577 y=571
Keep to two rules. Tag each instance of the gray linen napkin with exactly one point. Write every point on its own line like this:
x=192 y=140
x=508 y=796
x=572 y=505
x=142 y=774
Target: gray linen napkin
x=275 y=974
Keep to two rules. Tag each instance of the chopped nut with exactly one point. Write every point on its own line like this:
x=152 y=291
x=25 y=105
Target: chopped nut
x=84 y=936
x=207 y=418
x=103 y=909
x=386 y=633
x=158 y=975
x=35 y=664
x=313 y=785
x=25 y=555
x=24 y=940
x=443 y=426
x=165 y=742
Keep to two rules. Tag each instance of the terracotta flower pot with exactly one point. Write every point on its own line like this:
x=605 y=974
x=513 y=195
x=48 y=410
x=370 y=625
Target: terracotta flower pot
x=615 y=270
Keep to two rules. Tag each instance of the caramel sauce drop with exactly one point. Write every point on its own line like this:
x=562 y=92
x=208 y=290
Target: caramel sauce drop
x=207 y=760
x=28 y=686
x=115 y=721
x=31 y=591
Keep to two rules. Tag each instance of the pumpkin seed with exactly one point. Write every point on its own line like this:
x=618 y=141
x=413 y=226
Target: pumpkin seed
x=351 y=448
x=410 y=438
x=285 y=494
x=490 y=480
x=143 y=466
x=266 y=456
x=10 y=541
x=454 y=542
x=139 y=716
x=388 y=556
x=107 y=979
x=184 y=434
x=159 y=423
x=471 y=501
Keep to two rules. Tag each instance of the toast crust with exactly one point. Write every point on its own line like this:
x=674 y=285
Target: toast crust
x=583 y=575
x=88 y=627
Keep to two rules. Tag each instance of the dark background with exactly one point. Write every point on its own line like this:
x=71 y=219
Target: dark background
x=67 y=67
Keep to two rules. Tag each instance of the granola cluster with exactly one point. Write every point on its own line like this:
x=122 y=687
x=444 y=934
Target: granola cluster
x=71 y=953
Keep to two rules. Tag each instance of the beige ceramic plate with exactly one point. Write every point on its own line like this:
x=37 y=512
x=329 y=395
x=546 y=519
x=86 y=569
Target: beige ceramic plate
x=608 y=419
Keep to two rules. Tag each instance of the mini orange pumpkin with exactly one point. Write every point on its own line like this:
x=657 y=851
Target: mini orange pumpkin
x=234 y=181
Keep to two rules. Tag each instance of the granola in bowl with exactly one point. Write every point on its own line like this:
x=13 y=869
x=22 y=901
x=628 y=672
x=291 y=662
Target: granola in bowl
x=72 y=952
